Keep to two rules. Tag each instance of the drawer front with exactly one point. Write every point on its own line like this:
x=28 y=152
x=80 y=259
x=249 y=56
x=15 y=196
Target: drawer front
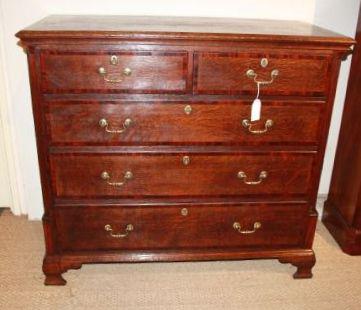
x=152 y=228
x=226 y=73
x=139 y=175
x=182 y=122
x=133 y=72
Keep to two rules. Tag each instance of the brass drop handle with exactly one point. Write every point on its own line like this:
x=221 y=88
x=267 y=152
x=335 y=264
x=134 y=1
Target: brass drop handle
x=114 y=77
x=105 y=124
x=243 y=176
x=253 y=75
x=237 y=226
x=128 y=175
x=128 y=229
x=267 y=125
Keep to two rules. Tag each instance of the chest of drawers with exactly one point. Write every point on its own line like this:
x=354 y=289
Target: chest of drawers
x=146 y=147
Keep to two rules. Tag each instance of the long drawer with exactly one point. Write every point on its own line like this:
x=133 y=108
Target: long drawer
x=131 y=72
x=281 y=73
x=164 y=174
x=152 y=228
x=142 y=123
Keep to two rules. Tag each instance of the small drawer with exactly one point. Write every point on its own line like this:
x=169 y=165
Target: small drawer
x=143 y=123
x=181 y=227
x=164 y=174
x=280 y=74
x=131 y=72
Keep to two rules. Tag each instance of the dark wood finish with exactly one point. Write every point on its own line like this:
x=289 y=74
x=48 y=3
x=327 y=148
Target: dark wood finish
x=225 y=73
x=166 y=175
x=82 y=229
x=152 y=72
x=304 y=265
x=342 y=212
x=71 y=123
x=176 y=62
x=182 y=28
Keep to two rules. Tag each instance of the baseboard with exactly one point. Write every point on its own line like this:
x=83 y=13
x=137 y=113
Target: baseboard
x=3 y=209
x=321 y=198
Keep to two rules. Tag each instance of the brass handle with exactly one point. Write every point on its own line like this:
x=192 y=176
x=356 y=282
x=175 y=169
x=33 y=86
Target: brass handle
x=128 y=175
x=105 y=124
x=128 y=229
x=237 y=226
x=253 y=75
x=243 y=176
x=114 y=77
x=267 y=125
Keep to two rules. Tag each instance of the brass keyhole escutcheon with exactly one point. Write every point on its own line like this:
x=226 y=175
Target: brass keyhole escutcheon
x=186 y=160
x=114 y=60
x=264 y=62
x=188 y=109
x=184 y=211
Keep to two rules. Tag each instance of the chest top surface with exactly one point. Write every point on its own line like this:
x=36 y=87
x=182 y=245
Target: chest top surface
x=192 y=28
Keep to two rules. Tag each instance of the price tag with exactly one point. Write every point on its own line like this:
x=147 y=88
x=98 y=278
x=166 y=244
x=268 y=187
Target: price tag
x=256 y=110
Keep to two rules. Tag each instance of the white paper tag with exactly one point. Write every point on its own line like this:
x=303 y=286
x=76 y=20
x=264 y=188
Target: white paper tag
x=256 y=110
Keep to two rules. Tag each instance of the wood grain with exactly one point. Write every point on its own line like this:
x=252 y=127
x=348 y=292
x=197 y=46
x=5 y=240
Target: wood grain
x=166 y=175
x=178 y=28
x=225 y=73
x=77 y=123
x=82 y=229
x=152 y=72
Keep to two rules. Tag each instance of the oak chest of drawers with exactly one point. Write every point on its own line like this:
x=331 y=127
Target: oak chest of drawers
x=146 y=146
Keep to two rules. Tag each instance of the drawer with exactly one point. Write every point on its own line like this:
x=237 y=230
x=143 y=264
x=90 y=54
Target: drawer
x=164 y=174
x=226 y=73
x=141 y=123
x=131 y=72
x=181 y=227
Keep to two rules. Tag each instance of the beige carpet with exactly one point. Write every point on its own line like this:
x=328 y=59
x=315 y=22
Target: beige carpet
x=262 y=284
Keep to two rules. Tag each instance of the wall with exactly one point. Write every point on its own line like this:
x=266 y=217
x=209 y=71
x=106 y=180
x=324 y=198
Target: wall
x=16 y=14
x=340 y=16
x=5 y=193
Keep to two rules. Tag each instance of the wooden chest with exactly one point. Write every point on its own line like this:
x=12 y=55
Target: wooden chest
x=146 y=146
x=342 y=210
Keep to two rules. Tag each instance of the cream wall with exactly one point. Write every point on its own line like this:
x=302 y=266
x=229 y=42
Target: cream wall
x=340 y=16
x=16 y=14
x=5 y=194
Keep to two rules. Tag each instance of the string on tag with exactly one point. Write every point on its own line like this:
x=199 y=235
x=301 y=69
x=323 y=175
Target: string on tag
x=256 y=105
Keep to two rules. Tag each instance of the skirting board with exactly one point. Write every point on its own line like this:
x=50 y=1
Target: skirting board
x=321 y=198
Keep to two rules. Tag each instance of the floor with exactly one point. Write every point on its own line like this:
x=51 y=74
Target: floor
x=262 y=284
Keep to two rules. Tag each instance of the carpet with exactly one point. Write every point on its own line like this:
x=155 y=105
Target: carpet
x=226 y=285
